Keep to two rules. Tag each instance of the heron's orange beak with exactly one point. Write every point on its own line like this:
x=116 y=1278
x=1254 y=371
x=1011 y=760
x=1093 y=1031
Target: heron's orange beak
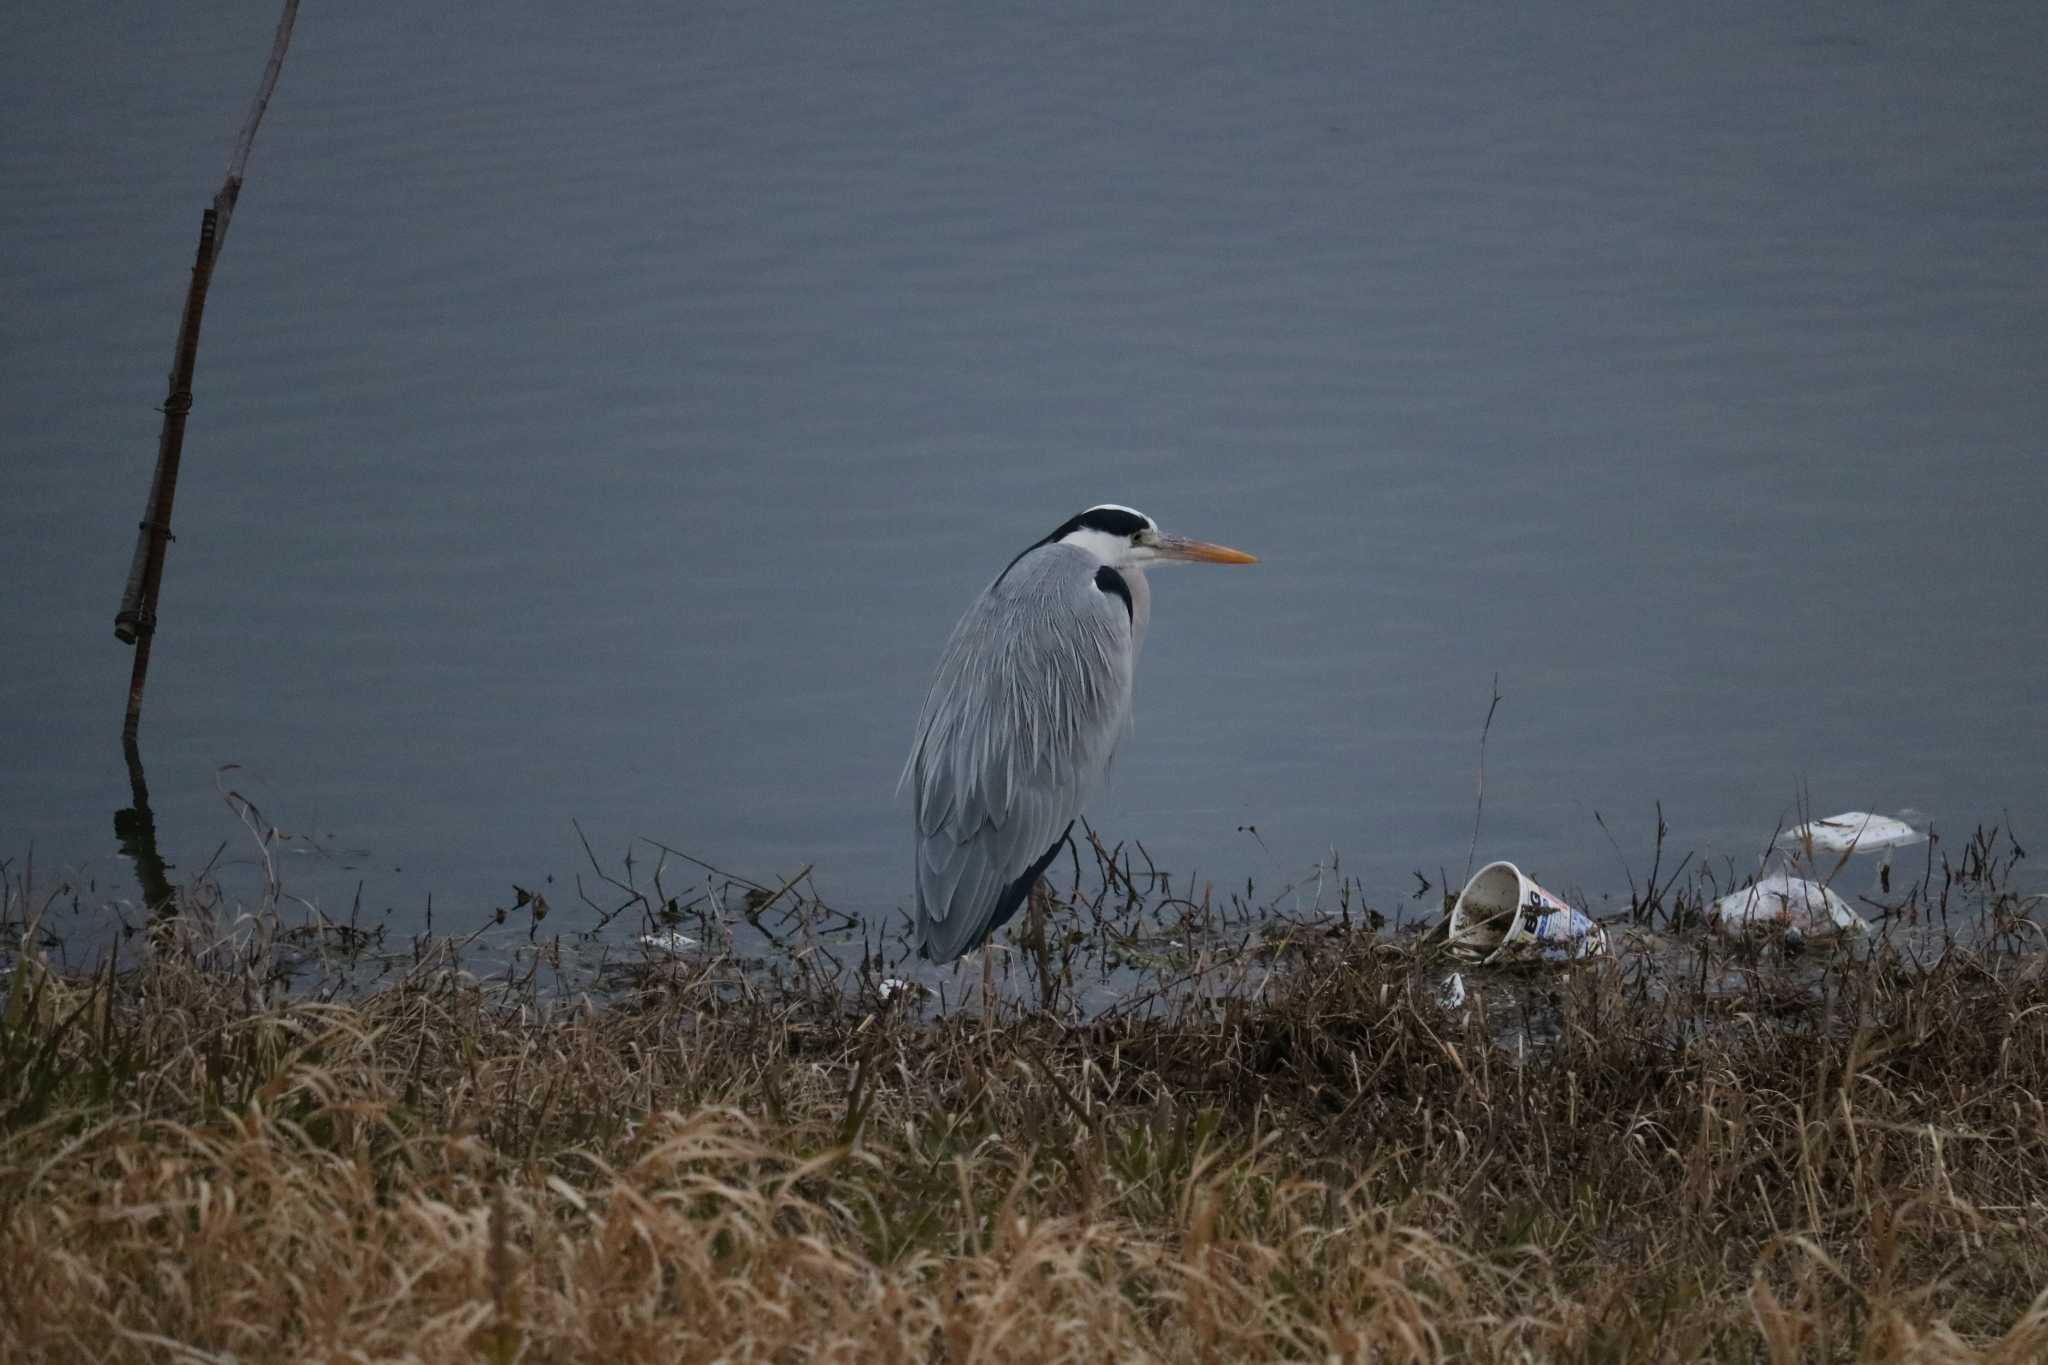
x=1201 y=551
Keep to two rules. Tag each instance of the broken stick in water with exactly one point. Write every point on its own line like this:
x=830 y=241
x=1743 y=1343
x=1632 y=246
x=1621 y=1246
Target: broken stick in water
x=135 y=623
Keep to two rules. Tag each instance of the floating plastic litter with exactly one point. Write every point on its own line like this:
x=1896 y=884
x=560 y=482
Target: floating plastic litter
x=669 y=941
x=1853 y=831
x=1502 y=916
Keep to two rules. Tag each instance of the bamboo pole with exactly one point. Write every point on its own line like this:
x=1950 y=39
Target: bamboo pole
x=135 y=622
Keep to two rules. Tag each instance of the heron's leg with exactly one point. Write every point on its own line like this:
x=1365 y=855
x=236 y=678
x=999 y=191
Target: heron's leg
x=1037 y=937
x=988 y=984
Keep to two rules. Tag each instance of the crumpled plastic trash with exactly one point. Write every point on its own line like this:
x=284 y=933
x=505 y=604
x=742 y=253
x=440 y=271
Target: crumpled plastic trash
x=1853 y=831
x=1451 y=994
x=1798 y=907
x=671 y=941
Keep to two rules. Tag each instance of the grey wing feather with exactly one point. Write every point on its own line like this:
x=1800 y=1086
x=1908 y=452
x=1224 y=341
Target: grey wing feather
x=1032 y=693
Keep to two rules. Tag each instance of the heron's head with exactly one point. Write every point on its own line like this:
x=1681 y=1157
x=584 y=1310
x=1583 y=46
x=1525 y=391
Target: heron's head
x=1125 y=539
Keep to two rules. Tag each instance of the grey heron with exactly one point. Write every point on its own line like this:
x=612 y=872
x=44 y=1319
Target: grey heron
x=1031 y=695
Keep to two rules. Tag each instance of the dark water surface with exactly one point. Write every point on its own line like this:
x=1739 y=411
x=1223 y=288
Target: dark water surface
x=604 y=413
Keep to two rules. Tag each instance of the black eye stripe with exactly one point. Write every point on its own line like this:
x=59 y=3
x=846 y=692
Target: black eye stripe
x=1109 y=581
x=1113 y=521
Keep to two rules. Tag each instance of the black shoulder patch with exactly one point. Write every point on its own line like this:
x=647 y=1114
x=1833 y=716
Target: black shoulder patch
x=1108 y=580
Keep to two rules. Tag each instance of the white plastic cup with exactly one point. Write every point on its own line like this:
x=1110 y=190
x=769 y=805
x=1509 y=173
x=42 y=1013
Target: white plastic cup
x=1502 y=915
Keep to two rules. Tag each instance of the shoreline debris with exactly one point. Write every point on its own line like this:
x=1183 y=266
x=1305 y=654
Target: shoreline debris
x=1451 y=994
x=1503 y=916
x=1799 y=906
x=1853 y=831
x=671 y=941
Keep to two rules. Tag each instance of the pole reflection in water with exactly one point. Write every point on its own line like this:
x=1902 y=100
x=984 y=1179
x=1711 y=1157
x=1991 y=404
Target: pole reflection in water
x=135 y=829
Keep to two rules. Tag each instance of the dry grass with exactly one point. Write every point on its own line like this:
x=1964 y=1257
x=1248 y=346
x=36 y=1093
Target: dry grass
x=1845 y=1163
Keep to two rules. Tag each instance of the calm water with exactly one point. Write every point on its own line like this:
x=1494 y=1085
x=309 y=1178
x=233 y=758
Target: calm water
x=603 y=416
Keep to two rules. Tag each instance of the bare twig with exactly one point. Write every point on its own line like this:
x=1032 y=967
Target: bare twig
x=733 y=877
x=1480 y=804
